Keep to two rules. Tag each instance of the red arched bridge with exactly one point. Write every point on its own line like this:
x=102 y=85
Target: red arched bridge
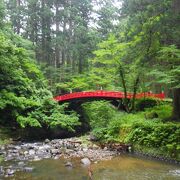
x=105 y=95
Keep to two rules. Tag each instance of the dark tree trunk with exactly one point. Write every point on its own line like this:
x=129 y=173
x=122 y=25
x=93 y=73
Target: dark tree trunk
x=43 y=31
x=176 y=6
x=80 y=66
x=57 y=48
x=176 y=104
x=18 y=20
x=135 y=88
x=125 y=100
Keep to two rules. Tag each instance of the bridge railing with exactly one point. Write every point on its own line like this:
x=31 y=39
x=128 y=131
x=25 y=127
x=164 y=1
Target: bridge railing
x=152 y=95
x=107 y=94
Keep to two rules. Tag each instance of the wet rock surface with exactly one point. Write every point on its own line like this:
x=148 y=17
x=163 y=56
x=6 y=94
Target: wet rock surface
x=85 y=161
x=20 y=154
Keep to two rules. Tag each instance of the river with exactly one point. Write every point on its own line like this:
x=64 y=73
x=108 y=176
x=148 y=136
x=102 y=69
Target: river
x=123 y=167
x=62 y=159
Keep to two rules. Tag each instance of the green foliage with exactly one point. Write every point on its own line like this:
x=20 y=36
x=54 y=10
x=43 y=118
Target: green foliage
x=152 y=29
x=137 y=129
x=170 y=56
x=50 y=114
x=158 y=135
x=99 y=114
x=71 y=40
x=24 y=97
x=4 y=136
x=2 y=13
x=163 y=112
x=144 y=103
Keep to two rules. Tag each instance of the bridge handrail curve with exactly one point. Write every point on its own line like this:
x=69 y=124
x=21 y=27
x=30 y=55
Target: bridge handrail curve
x=109 y=94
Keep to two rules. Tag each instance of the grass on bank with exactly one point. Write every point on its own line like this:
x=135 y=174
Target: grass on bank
x=5 y=135
x=149 y=131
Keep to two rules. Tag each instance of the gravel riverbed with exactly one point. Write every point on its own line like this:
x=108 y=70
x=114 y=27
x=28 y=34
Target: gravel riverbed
x=19 y=154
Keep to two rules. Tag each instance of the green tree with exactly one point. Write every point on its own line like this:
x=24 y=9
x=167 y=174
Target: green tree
x=24 y=98
x=153 y=27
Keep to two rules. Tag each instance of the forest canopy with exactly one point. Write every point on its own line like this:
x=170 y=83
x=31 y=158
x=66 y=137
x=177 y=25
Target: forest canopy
x=51 y=47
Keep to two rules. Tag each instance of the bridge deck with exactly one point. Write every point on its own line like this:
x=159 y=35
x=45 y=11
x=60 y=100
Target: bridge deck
x=105 y=94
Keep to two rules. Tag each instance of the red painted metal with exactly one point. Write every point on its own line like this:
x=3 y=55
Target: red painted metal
x=106 y=94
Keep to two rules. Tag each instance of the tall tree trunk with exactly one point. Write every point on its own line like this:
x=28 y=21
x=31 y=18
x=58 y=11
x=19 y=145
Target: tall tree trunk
x=80 y=65
x=176 y=104
x=135 y=88
x=63 y=47
x=48 y=49
x=18 y=21
x=176 y=6
x=43 y=31
x=57 y=48
x=176 y=91
x=125 y=101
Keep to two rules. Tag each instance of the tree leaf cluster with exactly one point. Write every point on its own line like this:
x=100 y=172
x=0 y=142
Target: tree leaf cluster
x=24 y=97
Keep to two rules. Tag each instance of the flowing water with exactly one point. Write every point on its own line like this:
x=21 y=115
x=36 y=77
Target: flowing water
x=119 y=168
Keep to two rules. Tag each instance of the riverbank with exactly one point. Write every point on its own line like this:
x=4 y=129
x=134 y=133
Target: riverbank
x=67 y=148
x=18 y=154
x=151 y=131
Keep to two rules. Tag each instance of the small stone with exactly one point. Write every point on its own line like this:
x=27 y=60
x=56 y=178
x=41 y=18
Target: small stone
x=69 y=146
x=85 y=161
x=44 y=147
x=10 y=172
x=55 y=151
x=105 y=148
x=93 y=138
x=9 y=157
x=85 y=149
x=2 y=148
x=21 y=152
x=95 y=146
x=47 y=141
x=32 y=152
x=1 y=170
x=28 y=169
x=69 y=151
x=56 y=157
x=47 y=156
x=18 y=147
x=36 y=158
x=25 y=152
x=21 y=164
x=68 y=164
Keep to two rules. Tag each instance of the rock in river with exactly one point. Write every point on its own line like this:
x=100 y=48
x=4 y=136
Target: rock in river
x=10 y=172
x=85 y=161
x=68 y=164
x=1 y=170
x=28 y=169
x=32 y=152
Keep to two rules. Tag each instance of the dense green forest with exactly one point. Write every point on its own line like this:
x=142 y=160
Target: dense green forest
x=51 y=47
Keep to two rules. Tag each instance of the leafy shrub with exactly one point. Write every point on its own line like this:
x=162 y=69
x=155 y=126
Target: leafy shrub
x=143 y=103
x=99 y=114
x=158 y=135
x=145 y=133
x=24 y=97
x=163 y=112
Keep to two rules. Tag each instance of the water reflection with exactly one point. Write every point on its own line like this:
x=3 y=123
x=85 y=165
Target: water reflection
x=119 y=168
